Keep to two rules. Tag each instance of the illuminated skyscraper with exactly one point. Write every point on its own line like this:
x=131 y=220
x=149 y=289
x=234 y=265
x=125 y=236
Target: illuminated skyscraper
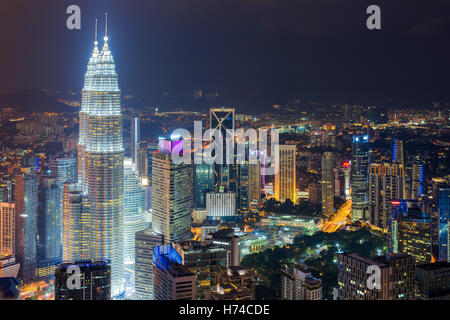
x=49 y=227
x=26 y=201
x=409 y=230
x=359 y=177
x=64 y=169
x=385 y=184
x=75 y=225
x=444 y=217
x=133 y=210
x=171 y=197
x=327 y=184
x=398 y=157
x=7 y=228
x=222 y=119
x=417 y=180
x=285 y=176
x=135 y=139
x=100 y=153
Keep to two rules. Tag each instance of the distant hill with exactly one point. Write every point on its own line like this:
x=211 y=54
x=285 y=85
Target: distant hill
x=29 y=101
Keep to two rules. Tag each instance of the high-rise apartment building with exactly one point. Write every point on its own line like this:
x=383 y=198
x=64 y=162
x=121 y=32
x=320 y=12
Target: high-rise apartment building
x=297 y=283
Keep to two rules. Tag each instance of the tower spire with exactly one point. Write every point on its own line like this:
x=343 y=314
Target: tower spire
x=106 y=26
x=95 y=39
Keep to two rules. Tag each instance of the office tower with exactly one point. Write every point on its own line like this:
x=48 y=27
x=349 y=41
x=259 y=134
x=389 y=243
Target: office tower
x=385 y=184
x=9 y=267
x=444 y=216
x=203 y=183
x=417 y=180
x=26 y=203
x=100 y=162
x=315 y=193
x=221 y=205
x=410 y=230
x=359 y=177
x=208 y=227
x=172 y=280
x=297 y=283
x=143 y=160
x=398 y=157
x=171 y=198
x=433 y=281
x=133 y=210
x=49 y=251
x=327 y=185
x=64 y=170
x=254 y=185
x=234 y=283
x=397 y=277
x=226 y=239
x=10 y=288
x=6 y=190
x=146 y=240
x=7 y=228
x=203 y=260
x=75 y=225
x=95 y=281
x=285 y=177
x=222 y=119
x=339 y=183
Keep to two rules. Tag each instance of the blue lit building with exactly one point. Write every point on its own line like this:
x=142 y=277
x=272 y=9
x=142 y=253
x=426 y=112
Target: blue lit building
x=49 y=251
x=444 y=215
x=172 y=280
x=203 y=183
x=359 y=177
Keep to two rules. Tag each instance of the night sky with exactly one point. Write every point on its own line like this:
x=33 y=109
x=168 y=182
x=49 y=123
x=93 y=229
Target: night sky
x=255 y=52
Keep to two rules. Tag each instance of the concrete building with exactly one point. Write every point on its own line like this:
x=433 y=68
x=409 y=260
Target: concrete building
x=285 y=177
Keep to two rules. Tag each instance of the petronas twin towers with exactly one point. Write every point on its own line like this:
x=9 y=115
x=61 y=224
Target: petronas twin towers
x=100 y=162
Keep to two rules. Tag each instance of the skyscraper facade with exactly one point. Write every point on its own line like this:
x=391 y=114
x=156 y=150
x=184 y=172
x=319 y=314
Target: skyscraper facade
x=133 y=209
x=385 y=184
x=48 y=227
x=327 y=184
x=100 y=153
x=7 y=228
x=171 y=198
x=359 y=177
x=135 y=140
x=285 y=187
x=444 y=217
x=26 y=202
